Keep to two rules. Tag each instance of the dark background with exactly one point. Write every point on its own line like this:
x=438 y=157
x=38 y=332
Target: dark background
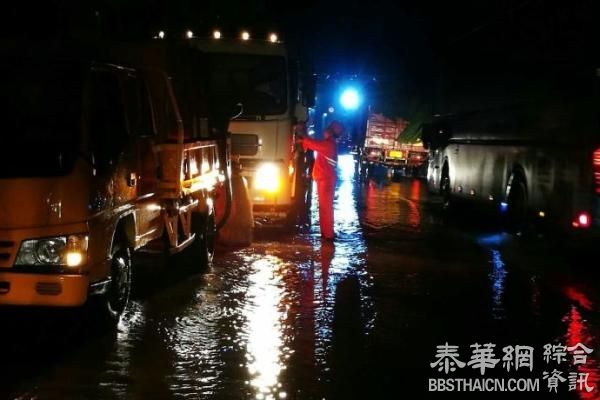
x=416 y=58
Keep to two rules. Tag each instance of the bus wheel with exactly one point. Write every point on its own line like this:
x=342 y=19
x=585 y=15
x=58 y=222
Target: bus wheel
x=516 y=215
x=117 y=297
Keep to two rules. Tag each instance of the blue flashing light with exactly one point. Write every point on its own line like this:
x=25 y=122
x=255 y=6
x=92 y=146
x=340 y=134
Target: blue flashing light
x=350 y=99
x=503 y=207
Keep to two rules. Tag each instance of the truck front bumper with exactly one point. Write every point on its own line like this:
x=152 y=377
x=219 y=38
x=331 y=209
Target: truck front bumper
x=54 y=290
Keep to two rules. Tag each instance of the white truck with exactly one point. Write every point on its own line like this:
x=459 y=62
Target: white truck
x=265 y=83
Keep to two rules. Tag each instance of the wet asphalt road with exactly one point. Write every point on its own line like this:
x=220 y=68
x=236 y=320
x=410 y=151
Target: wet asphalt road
x=290 y=317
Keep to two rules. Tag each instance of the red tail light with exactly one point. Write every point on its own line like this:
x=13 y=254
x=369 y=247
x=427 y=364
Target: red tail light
x=583 y=220
x=596 y=169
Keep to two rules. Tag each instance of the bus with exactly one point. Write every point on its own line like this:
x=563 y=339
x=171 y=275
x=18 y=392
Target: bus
x=536 y=161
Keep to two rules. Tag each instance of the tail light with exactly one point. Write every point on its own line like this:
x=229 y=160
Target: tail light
x=582 y=220
x=596 y=169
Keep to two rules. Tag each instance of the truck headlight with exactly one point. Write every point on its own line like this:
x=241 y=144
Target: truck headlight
x=268 y=177
x=62 y=250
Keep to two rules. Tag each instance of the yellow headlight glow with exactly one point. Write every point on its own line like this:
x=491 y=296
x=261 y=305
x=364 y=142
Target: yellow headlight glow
x=74 y=258
x=268 y=177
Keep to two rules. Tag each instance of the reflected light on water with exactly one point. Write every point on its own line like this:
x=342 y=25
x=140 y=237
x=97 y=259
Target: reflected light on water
x=578 y=331
x=264 y=327
x=336 y=262
x=498 y=278
x=415 y=190
x=346 y=166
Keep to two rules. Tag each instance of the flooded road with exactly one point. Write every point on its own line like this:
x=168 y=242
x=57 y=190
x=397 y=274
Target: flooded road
x=294 y=318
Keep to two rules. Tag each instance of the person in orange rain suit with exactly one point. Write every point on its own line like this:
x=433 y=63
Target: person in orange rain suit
x=324 y=173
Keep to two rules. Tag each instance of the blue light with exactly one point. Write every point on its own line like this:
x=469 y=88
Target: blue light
x=503 y=207
x=350 y=99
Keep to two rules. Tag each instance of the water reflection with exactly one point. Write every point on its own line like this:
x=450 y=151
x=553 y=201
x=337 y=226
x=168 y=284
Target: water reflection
x=395 y=205
x=579 y=331
x=335 y=263
x=264 y=318
x=498 y=278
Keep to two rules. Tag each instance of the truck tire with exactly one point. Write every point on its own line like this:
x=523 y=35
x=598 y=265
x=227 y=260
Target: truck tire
x=210 y=235
x=204 y=227
x=116 y=298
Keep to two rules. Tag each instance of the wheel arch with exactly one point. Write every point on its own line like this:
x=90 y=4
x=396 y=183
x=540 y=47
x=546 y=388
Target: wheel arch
x=517 y=173
x=125 y=231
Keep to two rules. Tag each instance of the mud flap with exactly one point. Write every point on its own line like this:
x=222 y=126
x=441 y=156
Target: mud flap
x=238 y=228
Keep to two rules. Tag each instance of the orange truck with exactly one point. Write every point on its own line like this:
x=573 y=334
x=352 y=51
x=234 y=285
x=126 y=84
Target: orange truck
x=95 y=165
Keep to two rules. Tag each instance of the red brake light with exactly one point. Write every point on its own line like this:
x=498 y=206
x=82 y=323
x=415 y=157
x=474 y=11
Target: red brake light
x=583 y=220
x=597 y=158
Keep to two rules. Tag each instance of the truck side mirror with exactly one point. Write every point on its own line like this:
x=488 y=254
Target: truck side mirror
x=236 y=110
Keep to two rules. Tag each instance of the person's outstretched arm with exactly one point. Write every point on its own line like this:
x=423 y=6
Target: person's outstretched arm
x=314 y=144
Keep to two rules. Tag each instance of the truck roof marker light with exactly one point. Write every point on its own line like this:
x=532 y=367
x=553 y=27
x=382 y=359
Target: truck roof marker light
x=583 y=220
x=189 y=34
x=161 y=35
x=216 y=34
x=245 y=35
x=273 y=38
x=542 y=214
x=503 y=207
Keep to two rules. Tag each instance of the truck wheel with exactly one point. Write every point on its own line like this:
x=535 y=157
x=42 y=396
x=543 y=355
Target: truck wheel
x=210 y=235
x=204 y=227
x=117 y=297
x=516 y=215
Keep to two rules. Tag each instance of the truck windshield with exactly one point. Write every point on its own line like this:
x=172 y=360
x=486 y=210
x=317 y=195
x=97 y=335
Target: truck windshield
x=259 y=82
x=41 y=118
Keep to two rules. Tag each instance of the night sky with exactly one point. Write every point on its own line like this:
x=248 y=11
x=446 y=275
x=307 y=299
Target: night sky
x=415 y=49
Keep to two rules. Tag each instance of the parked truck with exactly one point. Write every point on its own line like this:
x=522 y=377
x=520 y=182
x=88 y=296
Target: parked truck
x=272 y=94
x=382 y=147
x=97 y=163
